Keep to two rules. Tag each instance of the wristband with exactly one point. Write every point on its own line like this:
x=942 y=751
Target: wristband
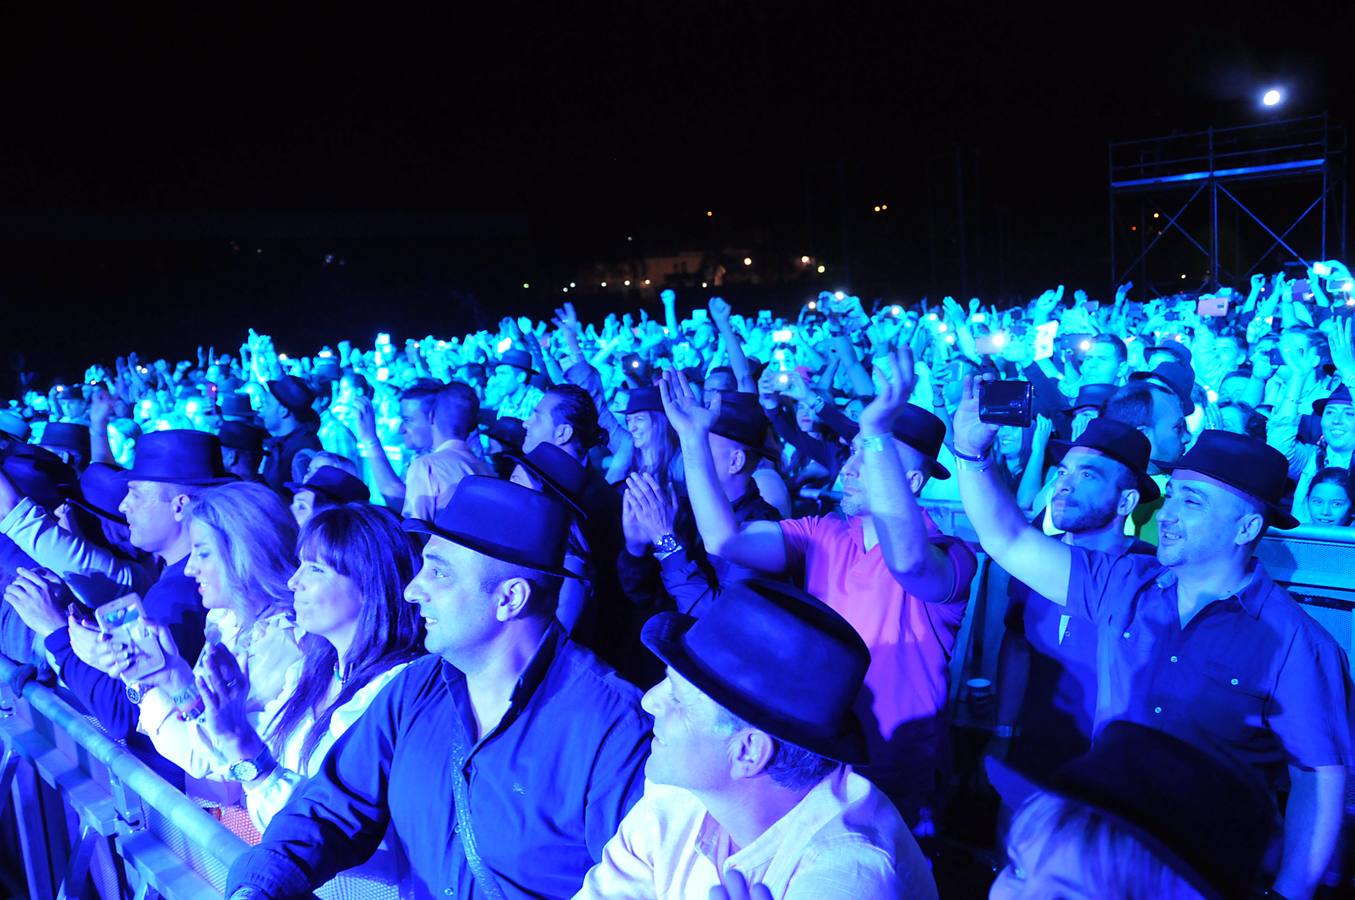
x=876 y=443
x=987 y=454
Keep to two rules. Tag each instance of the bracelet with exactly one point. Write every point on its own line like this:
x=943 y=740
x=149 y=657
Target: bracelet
x=875 y=443
x=987 y=455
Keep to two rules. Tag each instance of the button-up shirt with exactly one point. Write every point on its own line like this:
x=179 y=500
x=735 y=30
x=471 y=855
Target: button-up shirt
x=432 y=478
x=547 y=787
x=844 y=840
x=1251 y=676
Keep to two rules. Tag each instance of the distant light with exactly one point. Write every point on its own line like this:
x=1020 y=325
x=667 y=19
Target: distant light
x=505 y=344
x=1272 y=97
x=626 y=282
x=571 y=284
x=1133 y=228
x=282 y=356
x=877 y=208
x=710 y=214
x=646 y=282
x=604 y=284
x=1183 y=276
x=941 y=327
x=813 y=304
x=1179 y=338
x=629 y=238
x=896 y=310
x=1157 y=215
x=703 y=284
x=839 y=295
x=748 y=260
x=822 y=269
x=931 y=317
x=804 y=260
x=950 y=339
x=326 y=354
x=525 y=285
x=884 y=207
x=564 y=290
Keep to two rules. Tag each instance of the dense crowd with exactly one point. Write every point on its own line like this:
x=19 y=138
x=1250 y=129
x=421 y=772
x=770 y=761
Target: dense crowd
x=652 y=606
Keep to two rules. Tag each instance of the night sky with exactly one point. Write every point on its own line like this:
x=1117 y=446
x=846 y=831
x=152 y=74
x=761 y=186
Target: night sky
x=166 y=182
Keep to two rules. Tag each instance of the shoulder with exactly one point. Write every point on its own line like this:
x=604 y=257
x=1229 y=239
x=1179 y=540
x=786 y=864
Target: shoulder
x=577 y=676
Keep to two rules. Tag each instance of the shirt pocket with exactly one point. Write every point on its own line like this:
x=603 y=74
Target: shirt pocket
x=1233 y=701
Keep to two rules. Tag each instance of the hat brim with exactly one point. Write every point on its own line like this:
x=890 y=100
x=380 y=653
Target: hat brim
x=522 y=460
x=1187 y=403
x=1319 y=406
x=190 y=482
x=663 y=634
x=1016 y=787
x=96 y=511
x=1276 y=515
x=1143 y=482
x=486 y=548
x=295 y=486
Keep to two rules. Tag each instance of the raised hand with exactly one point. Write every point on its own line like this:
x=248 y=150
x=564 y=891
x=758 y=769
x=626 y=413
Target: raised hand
x=689 y=417
x=224 y=687
x=36 y=597
x=894 y=379
x=364 y=415
x=100 y=405
x=973 y=436
x=567 y=320
x=1342 y=350
x=719 y=311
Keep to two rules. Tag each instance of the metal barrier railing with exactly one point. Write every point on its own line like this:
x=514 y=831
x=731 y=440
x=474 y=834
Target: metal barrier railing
x=132 y=834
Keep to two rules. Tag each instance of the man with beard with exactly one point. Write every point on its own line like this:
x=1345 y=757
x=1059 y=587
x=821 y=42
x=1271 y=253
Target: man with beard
x=1046 y=676
x=1198 y=642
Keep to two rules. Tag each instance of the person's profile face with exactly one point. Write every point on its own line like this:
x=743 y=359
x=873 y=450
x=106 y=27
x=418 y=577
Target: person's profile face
x=688 y=749
x=416 y=429
x=539 y=426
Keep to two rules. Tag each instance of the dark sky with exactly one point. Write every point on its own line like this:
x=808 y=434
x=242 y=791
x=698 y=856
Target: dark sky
x=134 y=150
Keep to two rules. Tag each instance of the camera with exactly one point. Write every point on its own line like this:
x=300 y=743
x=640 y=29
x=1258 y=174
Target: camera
x=1006 y=403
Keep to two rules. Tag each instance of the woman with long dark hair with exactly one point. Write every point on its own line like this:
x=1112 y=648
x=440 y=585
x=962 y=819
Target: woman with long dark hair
x=348 y=590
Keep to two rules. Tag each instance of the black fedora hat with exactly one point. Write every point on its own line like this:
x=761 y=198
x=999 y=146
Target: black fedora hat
x=1206 y=819
x=1123 y=443
x=334 y=483
x=102 y=488
x=741 y=420
x=40 y=475
x=508 y=431
x=643 y=399
x=1338 y=396
x=1179 y=379
x=179 y=456
x=777 y=658
x=242 y=436
x=296 y=396
x=558 y=471
x=235 y=405
x=925 y=433
x=505 y=521
x=1246 y=464
x=1090 y=396
x=518 y=359
x=71 y=437
x=1179 y=351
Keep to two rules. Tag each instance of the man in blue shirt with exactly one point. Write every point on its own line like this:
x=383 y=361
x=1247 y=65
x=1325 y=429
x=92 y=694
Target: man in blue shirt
x=505 y=760
x=1198 y=642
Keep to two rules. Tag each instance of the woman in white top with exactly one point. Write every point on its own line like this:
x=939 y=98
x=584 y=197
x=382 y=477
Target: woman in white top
x=349 y=600
x=243 y=553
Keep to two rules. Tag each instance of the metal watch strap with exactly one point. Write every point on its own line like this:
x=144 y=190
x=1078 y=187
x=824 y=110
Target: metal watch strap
x=667 y=543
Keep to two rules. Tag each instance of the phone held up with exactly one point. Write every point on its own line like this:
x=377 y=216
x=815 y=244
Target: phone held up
x=125 y=620
x=1006 y=403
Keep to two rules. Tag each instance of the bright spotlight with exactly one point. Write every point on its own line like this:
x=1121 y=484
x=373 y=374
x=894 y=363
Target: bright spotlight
x=1272 y=97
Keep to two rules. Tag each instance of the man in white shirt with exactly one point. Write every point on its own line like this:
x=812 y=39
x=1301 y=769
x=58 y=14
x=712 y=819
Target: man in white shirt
x=432 y=478
x=746 y=785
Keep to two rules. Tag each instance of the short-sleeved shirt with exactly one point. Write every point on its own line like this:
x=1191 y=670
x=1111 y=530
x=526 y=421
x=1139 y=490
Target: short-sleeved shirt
x=910 y=640
x=1251 y=676
x=1059 y=706
x=432 y=478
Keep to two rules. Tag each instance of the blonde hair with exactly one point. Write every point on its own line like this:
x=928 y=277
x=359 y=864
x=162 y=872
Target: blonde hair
x=1111 y=856
x=256 y=538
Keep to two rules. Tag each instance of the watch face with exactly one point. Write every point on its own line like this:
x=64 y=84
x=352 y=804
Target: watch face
x=244 y=771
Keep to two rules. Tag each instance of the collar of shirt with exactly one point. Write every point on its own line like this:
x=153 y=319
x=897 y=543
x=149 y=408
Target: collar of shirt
x=451 y=444
x=805 y=819
x=1251 y=596
x=527 y=683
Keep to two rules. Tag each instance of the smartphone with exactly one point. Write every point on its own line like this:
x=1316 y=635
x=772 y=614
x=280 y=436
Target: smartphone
x=700 y=315
x=1303 y=290
x=1006 y=402
x=1212 y=306
x=125 y=620
x=784 y=336
x=1044 y=340
x=988 y=344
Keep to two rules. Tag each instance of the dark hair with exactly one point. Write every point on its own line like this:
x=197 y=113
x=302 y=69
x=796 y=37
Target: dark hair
x=425 y=393
x=1253 y=423
x=367 y=544
x=1121 y=351
x=663 y=458
x=545 y=589
x=575 y=407
x=1337 y=476
x=1133 y=404
x=457 y=409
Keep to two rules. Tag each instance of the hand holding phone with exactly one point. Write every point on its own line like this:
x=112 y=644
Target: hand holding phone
x=124 y=621
x=1006 y=403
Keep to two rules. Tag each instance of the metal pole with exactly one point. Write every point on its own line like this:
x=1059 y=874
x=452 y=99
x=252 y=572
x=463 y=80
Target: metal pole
x=1213 y=219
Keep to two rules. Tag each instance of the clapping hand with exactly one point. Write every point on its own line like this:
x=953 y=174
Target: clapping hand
x=224 y=686
x=653 y=507
x=894 y=382
x=689 y=417
x=738 y=888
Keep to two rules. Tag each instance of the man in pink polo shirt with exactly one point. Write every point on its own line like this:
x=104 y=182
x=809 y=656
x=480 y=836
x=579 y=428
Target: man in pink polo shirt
x=881 y=563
